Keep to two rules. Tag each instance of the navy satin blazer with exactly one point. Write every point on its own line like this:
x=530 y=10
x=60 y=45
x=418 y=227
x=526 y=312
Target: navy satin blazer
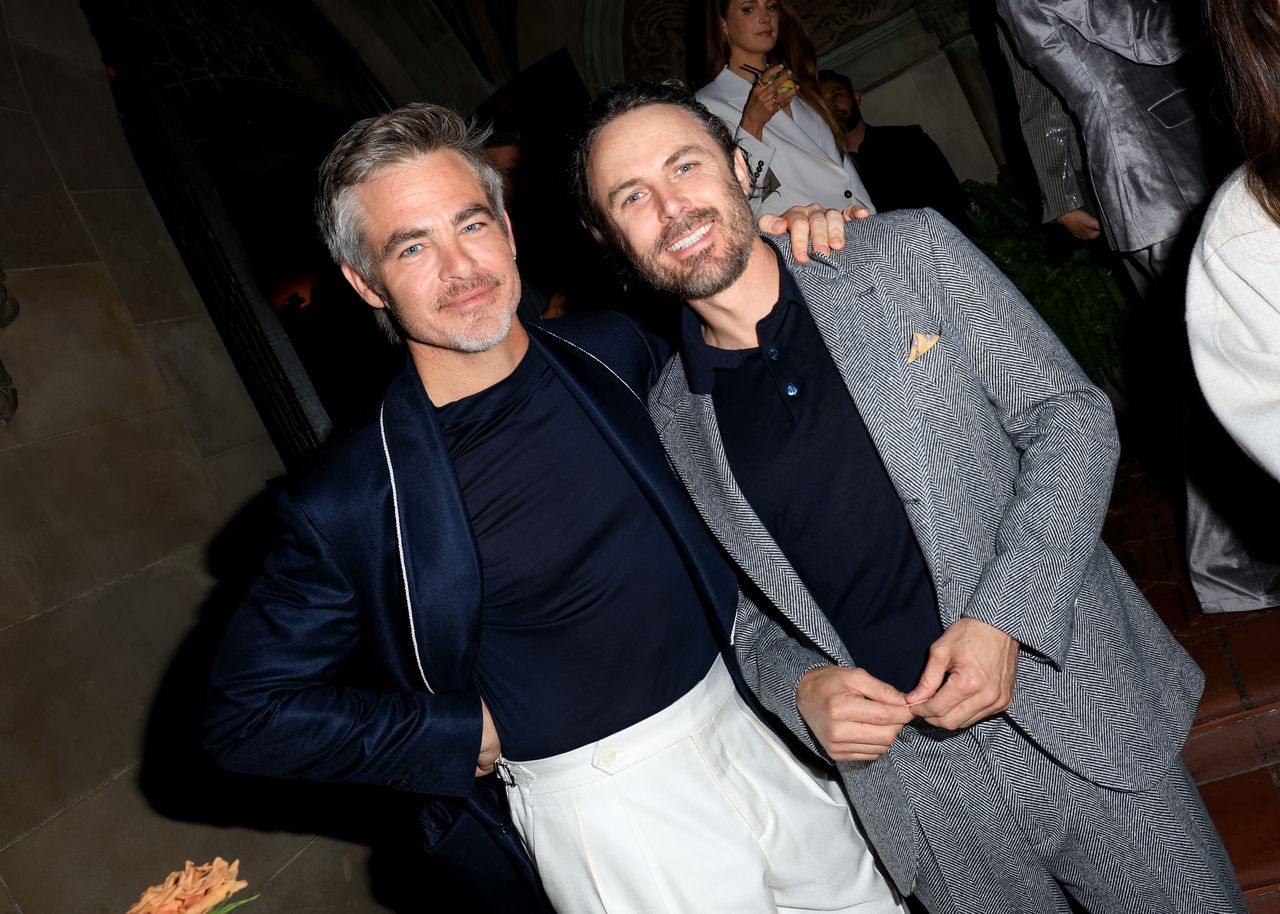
x=352 y=658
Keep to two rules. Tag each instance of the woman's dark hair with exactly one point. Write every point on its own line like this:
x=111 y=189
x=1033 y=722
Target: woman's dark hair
x=1246 y=34
x=793 y=48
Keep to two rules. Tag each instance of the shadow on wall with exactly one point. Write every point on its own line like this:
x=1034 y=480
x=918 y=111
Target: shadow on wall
x=182 y=783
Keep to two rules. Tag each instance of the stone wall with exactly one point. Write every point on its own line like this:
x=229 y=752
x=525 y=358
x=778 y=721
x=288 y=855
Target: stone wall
x=134 y=446
x=906 y=79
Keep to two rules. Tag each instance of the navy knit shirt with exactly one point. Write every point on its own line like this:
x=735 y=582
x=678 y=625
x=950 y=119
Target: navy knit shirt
x=590 y=620
x=802 y=456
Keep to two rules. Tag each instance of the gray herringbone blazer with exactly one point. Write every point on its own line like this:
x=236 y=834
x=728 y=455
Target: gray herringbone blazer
x=1003 y=454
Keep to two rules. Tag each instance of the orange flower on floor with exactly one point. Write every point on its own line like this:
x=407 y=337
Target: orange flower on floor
x=193 y=890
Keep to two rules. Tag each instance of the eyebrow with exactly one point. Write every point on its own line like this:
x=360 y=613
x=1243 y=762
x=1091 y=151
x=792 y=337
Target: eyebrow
x=401 y=236
x=623 y=186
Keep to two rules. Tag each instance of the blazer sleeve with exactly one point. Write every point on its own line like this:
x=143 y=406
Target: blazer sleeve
x=280 y=702
x=773 y=662
x=1050 y=137
x=1061 y=425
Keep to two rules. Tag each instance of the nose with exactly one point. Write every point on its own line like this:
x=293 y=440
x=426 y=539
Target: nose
x=671 y=203
x=456 y=260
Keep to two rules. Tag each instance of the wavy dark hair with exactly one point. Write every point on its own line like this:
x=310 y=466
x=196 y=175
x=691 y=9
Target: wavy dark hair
x=793 y=48
x=1246 y=35
x=612 y=104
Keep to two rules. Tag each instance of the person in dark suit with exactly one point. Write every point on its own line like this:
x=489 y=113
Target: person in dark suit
x=912 y=472
x=498 y=574
x=902 y=167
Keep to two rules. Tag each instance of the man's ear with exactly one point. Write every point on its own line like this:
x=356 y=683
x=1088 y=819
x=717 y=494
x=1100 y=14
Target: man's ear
x=511 y=236
x=742 y=172
x=857 y=97
x=363 y=289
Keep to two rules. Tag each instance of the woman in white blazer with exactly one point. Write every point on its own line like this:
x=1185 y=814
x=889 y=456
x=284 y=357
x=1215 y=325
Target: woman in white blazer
x=1233 y=286
x=794 y=146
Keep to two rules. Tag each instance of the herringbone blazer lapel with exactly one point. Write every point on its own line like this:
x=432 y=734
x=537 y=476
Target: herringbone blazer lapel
x=691 y=436
x=870 y=342
x=686 y=423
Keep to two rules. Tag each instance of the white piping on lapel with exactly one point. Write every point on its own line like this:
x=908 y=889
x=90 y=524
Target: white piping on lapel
x=595 y=358
x=395 y=507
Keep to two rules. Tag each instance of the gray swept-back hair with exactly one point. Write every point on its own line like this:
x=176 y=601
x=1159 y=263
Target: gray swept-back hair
x=382 y=142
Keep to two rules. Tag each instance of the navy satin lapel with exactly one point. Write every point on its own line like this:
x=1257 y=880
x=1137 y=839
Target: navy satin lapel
x=623 y=421
x=441 y=565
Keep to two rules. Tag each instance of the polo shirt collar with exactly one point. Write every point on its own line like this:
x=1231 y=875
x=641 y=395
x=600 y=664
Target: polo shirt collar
x=702 y=360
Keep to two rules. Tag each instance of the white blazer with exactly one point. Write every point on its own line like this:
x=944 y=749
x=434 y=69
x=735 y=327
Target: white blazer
x=799 y=150
x=1233 y=319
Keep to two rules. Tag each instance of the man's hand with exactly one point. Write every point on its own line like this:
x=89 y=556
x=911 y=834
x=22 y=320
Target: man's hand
x=1080 y=224
x=978 y=662
x=853 y=715
x=823 y=228
x=490 y=745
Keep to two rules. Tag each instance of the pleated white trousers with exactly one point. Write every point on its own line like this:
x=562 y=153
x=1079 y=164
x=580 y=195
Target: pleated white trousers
x=695 y=810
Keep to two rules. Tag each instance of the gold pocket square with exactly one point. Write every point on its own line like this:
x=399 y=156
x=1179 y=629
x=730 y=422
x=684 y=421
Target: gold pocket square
x=920 y=344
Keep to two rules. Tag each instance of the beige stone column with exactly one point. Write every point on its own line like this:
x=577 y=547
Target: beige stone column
x=949 y=20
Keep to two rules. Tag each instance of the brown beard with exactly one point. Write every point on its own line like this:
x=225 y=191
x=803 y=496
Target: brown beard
x=708 y=272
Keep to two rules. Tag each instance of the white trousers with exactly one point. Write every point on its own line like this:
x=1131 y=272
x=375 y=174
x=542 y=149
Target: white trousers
x=695 y=810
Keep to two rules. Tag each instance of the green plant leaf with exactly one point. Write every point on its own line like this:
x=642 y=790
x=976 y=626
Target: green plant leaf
x=231 y=906
x=1073 y=291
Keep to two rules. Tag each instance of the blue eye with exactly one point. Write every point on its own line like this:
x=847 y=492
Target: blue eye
x=411 y=250
x=473 y=228
x=684 y=169
x=631 y=199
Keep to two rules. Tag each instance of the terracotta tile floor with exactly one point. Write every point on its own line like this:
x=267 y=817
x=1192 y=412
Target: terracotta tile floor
x=1234 y=749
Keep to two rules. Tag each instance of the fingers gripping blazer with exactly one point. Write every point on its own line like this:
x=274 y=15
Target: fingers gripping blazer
x=1003 y=455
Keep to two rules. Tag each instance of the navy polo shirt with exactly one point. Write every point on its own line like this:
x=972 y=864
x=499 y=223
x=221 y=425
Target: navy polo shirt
x=590 y=621
x=802 y=456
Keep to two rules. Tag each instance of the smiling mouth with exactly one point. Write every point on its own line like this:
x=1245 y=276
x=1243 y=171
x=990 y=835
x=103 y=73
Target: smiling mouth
x=690 y=239
x=475 y=294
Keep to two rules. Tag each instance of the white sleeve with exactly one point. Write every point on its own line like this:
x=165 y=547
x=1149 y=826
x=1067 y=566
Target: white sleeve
x=759 y=154
x=1233 y=324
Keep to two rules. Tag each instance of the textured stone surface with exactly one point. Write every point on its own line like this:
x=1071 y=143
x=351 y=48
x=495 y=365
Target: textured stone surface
x=1246 y=810
x=969 y=154
x=96 y=505
x=75 y=354
x=99 y=856
x=55 y=26
x=139 y=254
x=241 y=475
x=38 y=224
x=330 y=876
x=947 y=109
x=80 y=682
x=199 y=372
x=72 y=104
x=11 y=96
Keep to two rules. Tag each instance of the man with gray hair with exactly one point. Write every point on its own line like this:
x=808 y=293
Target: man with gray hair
x=499 y=573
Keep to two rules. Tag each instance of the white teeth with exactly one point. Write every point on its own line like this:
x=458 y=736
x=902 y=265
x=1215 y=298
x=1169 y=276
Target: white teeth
x=691 y=239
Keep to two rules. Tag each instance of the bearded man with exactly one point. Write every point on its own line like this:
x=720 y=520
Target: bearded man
x=911 y=474
x=499 y=573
